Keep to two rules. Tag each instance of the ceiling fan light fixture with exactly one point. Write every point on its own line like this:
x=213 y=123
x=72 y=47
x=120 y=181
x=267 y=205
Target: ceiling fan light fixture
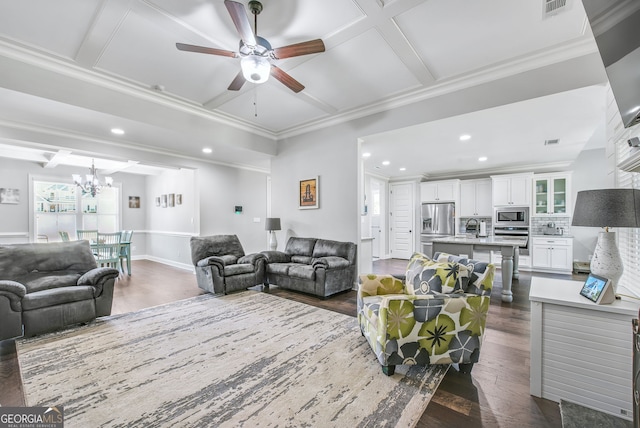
x=255 y=68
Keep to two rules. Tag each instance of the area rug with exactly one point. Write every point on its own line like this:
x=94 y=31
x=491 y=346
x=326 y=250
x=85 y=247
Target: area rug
x=577 y=416
x=246 y=359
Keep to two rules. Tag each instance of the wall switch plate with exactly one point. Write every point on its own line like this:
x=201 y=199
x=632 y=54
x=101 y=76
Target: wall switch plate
x=256 y=219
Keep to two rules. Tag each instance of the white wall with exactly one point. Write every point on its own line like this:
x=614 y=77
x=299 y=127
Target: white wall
x=589 y=172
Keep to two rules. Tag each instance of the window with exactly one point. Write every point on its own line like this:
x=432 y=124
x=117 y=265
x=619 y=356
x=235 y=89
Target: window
x=628 y=238
x=61 y=207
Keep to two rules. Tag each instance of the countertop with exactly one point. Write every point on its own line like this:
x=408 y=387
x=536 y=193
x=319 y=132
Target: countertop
x=498 y=241
x=541 y=235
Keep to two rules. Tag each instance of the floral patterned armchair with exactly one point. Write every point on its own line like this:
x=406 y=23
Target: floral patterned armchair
x=436 y=315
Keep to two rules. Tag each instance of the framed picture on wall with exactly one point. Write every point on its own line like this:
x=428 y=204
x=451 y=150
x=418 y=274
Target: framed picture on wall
x=163 y=201
x=172 y=199
x=179 y=199
x=9 y=196
x=158 y=201
x=134 y=201
x=308 y=193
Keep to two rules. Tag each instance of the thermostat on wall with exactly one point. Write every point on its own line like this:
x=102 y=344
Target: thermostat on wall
x=238 y=209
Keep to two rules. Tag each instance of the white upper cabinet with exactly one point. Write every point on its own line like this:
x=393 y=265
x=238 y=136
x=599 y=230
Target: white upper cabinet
x=512 y=190
x=552 y=194
x=475 y=198
x=439 y=191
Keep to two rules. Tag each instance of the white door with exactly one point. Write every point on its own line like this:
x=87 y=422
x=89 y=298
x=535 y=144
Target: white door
x=401 y=219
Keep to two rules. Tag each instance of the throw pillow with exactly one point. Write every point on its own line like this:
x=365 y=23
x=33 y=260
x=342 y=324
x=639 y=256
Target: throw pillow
x=426 y=276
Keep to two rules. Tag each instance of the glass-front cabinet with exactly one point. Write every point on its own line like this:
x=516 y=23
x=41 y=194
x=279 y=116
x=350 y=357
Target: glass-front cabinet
x=552 y=194
x=62 y=207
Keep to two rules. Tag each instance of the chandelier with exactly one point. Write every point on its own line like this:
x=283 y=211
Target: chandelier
x=91 y=185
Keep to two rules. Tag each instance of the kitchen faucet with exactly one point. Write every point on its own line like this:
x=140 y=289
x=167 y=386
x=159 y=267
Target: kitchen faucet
x=466 y=226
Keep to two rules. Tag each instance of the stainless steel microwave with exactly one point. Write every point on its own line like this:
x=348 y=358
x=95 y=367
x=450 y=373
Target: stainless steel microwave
x=511 y=216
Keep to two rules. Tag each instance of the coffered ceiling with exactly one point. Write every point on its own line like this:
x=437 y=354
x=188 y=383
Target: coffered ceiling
x=74 y=69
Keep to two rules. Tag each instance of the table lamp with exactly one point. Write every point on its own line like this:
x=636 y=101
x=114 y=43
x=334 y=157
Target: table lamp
x=272 y=224
x=607 y=208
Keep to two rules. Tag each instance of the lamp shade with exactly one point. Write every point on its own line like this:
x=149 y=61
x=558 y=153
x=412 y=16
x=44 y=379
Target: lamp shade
x=607 y=208
x=272 y=223
x=255 y=68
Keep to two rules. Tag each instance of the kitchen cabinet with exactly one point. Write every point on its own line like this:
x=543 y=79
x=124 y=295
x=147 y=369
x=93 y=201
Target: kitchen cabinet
x=552 y=194
x=512 y=189
x=475 y=198
x=553 y=254
x=440 y=191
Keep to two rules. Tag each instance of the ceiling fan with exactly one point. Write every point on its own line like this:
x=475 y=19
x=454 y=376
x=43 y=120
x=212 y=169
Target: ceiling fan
x=255 y=52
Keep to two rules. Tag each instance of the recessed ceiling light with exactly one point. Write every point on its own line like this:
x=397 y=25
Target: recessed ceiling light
x=482 y=158
x=403 y=169
x=117 y=131
x=366 y=155
x=465 y=137
x=207 y=150
x=385 y=163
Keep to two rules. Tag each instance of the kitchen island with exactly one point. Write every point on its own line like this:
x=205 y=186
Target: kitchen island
x=509 y=248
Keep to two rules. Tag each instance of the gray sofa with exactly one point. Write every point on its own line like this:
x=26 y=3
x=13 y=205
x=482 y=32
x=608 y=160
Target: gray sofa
x=49 y=286
x=316 y=266
x=222 y=266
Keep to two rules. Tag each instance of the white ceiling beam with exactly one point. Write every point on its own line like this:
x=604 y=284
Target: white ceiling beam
x=121 y=168
x=56 y=158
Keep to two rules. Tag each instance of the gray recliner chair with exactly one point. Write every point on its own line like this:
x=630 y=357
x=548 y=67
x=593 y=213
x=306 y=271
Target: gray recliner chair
x=222 y=266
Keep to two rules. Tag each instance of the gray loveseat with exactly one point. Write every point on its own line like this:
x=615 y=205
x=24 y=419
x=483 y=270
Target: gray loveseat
x=316 y=266
x=49 y=286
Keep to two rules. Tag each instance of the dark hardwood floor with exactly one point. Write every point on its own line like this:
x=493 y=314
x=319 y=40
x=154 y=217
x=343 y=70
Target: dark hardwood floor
x=495 y=394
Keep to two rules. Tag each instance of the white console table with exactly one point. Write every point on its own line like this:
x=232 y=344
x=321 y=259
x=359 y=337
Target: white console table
x=581 y=352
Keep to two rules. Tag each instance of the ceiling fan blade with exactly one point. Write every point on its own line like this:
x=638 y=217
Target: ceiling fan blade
x=286 y=79
x=202 y=49
x=304 y=48
x=241 y=21
x=237 y=82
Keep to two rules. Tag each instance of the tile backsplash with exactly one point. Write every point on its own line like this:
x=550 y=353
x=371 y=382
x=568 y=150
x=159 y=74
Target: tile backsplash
x=538 y=224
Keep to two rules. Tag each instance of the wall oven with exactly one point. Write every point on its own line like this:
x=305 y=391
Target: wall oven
x=511 y=216
x=514 y=232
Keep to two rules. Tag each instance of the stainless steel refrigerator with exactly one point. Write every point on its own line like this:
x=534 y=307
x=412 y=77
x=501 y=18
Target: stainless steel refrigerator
x=438 y=220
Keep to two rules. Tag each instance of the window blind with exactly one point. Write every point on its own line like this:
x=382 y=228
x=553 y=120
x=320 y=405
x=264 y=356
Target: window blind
x=628 y=238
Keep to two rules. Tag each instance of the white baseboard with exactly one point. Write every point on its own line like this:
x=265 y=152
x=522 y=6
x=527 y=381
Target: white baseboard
x=167 y=262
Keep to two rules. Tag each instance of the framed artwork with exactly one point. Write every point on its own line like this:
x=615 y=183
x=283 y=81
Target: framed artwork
x=179 y=199
x=163 y=201
x=9 y=196
x=134 y=201
x=158 y=201
x=308 y=194
x=172 y=199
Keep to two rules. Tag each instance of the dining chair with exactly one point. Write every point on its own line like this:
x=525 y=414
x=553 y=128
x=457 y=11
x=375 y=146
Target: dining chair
x=88 y=234
x=107 y=249
x=125 y=250
x=64 y=236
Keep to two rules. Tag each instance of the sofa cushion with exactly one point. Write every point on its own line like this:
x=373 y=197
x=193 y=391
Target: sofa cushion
x=38 y=281
x=302 y=271
x=57 y=296
x=426 y=276
x=300 y=246
x=301 y=259
x=325 y=248
x=18 y=260
x=278 y=268
x=238 y=269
